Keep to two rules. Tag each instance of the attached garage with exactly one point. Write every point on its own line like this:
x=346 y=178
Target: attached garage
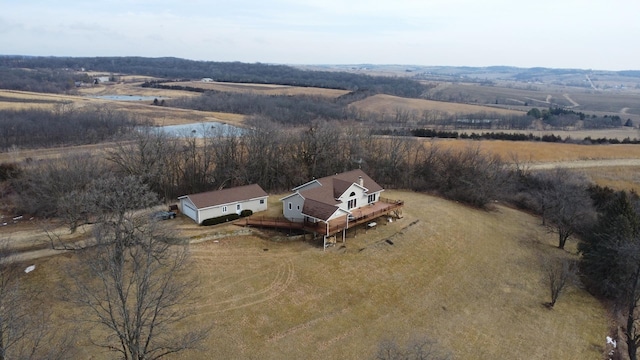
x=207 y=205
x=189 y=210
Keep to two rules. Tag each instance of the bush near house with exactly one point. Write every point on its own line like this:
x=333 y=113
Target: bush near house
x=246 y=212
x=220 y=219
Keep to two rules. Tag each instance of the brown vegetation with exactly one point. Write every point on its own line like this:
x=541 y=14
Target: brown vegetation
x=264 y=89
x=440 y=277
x=469 y=278
x=390 y=104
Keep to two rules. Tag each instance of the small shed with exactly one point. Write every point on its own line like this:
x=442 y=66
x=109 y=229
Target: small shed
x=211 y=204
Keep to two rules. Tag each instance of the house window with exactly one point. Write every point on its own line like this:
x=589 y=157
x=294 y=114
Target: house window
x=353 y=193
x=371 y=198
x=224 y=209
x=290 y=206
x=351 y=204
x=261 y=201
x=238 y=207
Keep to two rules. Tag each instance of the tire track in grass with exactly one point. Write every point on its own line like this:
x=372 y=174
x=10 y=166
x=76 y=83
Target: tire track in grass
x=280 y=283
x=305 y=325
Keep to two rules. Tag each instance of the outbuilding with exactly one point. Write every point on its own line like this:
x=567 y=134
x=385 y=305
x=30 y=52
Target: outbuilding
x=211 y=204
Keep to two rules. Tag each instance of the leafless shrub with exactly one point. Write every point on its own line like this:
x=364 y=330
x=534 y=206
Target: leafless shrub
x=419 y=348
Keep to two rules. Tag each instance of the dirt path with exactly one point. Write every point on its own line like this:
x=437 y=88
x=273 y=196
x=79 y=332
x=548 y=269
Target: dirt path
x=573 y=103
x=624 y=111
x=537 y=100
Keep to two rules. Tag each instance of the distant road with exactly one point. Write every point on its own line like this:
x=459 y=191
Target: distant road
x=591 y=82
x=578 y=164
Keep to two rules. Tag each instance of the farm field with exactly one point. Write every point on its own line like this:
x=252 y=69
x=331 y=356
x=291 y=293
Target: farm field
x=157 y=114
x=520 y=96
x=390 y=104
x=262 y=89
x=544 y=152
x=440 y=278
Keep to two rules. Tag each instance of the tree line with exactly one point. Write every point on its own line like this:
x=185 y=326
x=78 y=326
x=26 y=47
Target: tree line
x=443 y=134
x=175 y=68
x=557 y=117
x=41 y=80
x=277 y=158
x=292 y=110
x=65 y=125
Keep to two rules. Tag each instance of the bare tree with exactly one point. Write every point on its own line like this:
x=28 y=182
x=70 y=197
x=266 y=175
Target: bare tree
x=470 y=175
x=419 y=348
x=315 y=149
x=563 y=203
x=132 y=282
x=151 y=156
x=558 y=273
x=42 y=184
x=390 y=160
x=265 y=160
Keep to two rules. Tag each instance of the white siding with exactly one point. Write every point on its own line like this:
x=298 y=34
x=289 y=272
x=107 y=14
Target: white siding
x=200 y=215
x=214 y=212
x=187 y=208
x=359 y=196
x=253 y=205
x=337 y=214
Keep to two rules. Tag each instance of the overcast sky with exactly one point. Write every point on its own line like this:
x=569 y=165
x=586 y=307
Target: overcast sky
x=587 y=34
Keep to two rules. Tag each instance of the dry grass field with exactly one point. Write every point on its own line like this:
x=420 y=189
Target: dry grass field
x=263 y=89
x=390 y=104
x=615 y=177
x=157 y=114
x=543 y=152
x=616 y=166
x=468 y=278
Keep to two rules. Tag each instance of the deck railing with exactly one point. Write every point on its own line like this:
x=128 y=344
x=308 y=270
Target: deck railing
x=321 y=227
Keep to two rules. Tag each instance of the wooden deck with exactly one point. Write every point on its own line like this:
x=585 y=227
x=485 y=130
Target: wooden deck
x=362 y=215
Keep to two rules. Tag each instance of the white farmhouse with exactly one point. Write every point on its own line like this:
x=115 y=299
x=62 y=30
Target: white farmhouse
x=331 y=197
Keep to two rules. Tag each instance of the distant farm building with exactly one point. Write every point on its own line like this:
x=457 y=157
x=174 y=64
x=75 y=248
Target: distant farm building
x=206 y=80
x=207 y=205
x=101 y=79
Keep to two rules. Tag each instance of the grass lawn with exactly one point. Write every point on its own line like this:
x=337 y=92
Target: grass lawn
x=470 y=279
